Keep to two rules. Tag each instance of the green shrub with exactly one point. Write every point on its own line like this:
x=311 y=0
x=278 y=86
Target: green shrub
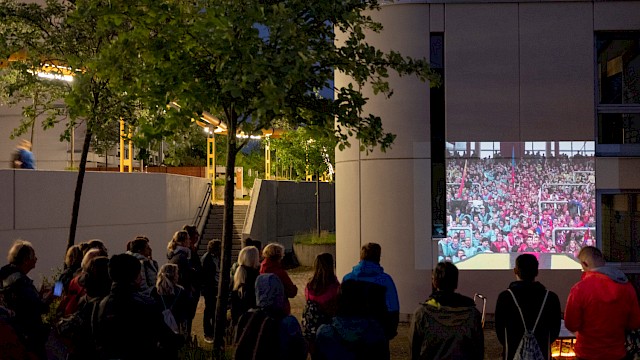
x=219 y=182
x=312 y=238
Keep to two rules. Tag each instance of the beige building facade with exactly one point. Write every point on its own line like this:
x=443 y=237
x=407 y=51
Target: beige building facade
x=513 y=72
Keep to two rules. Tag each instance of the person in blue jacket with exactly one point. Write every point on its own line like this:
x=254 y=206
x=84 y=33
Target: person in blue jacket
x=373 y=280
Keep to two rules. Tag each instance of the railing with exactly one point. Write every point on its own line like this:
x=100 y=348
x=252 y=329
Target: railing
x=203 y=206
x=585 y=229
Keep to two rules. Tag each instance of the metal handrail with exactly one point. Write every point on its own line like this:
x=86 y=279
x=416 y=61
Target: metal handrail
x=203 y=205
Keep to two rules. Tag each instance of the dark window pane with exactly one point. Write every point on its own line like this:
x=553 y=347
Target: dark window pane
x=618 y=67
x=620 y=226
x=619 y=129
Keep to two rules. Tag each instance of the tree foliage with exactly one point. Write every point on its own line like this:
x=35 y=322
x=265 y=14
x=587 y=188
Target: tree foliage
x=306 y=151
x=256 y=63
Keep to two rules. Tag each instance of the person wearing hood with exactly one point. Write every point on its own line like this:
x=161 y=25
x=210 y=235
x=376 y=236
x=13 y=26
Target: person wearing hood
x=354 y=333
x=600 y=308
x=141 y=250
x=531 y=296
x=448 y=325
x=369 y=271
x=267 y=331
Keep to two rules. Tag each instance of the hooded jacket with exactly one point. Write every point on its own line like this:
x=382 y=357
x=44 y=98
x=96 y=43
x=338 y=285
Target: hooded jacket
x=351 y=338
x=148 y=271
x=266 y=332
x=508 y=323
x=371 y=272
x=447 y=326
x=600 y=307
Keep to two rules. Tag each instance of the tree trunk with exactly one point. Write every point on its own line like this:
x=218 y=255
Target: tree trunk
x=78 y=193
x=227 y=244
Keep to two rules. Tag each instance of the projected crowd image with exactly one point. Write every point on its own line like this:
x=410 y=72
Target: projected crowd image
x=521 y=201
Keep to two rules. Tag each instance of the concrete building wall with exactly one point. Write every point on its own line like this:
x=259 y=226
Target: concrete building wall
x=281 y=209
x=514 y=71
x=115 y=208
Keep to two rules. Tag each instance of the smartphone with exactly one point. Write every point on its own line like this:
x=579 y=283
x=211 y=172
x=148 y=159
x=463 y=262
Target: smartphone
x=57 y=288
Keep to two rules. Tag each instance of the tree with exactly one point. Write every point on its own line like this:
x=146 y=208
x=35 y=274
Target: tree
x=255 y=63
x=63 y=36
x=308 y=153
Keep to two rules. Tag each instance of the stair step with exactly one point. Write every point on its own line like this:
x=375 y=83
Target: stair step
x=213 y=227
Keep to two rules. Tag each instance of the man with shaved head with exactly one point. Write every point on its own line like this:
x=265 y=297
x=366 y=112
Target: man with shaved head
x=600 y=308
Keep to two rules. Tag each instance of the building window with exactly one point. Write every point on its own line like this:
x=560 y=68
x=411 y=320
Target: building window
x=618 y=93
x=620 y=226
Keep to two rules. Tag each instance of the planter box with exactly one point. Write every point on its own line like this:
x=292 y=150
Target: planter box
x=306 y=254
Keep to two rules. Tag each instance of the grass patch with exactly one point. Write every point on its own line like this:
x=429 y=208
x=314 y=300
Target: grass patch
x=312 y=238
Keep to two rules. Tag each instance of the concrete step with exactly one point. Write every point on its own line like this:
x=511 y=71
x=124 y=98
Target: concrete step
x=213 y=228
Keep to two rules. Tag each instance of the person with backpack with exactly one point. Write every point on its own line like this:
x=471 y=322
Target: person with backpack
x=527 y=315
x=267 y=331
x=321 y=294
x=174 y=303
x=448 y=325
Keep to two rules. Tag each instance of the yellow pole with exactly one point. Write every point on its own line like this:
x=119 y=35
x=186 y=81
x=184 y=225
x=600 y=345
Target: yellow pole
x=122 y=150
x=126 y=157
x=130 y=154
x=267 y=159
x=211 y=163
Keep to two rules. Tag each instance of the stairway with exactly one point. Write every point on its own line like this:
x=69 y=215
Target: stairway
x=213 y=228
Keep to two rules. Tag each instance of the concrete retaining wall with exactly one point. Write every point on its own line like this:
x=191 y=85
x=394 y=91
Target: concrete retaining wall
x=306 y=254
x=115 y=207
x=281 y=209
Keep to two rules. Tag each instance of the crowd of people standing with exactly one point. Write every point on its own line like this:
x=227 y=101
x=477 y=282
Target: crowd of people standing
x=125 y=306
x=535 y=204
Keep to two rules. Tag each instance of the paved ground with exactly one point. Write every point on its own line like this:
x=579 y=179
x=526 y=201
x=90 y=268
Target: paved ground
x=399 y=345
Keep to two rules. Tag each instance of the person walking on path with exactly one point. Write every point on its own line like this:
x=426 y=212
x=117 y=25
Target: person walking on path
x=369 y=272
x=448 y=325
x=530 y=296
x=23 y=157
x=600 y=307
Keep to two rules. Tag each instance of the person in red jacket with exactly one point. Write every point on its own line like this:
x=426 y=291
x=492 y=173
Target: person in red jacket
x=272 y=264
x=600 y=307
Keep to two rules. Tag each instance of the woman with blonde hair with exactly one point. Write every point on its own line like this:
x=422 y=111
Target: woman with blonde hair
x=179 y=253
x=243 y=294
x=75 y=291
x=169 y=295
x=272 y=264
x=72 y=262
